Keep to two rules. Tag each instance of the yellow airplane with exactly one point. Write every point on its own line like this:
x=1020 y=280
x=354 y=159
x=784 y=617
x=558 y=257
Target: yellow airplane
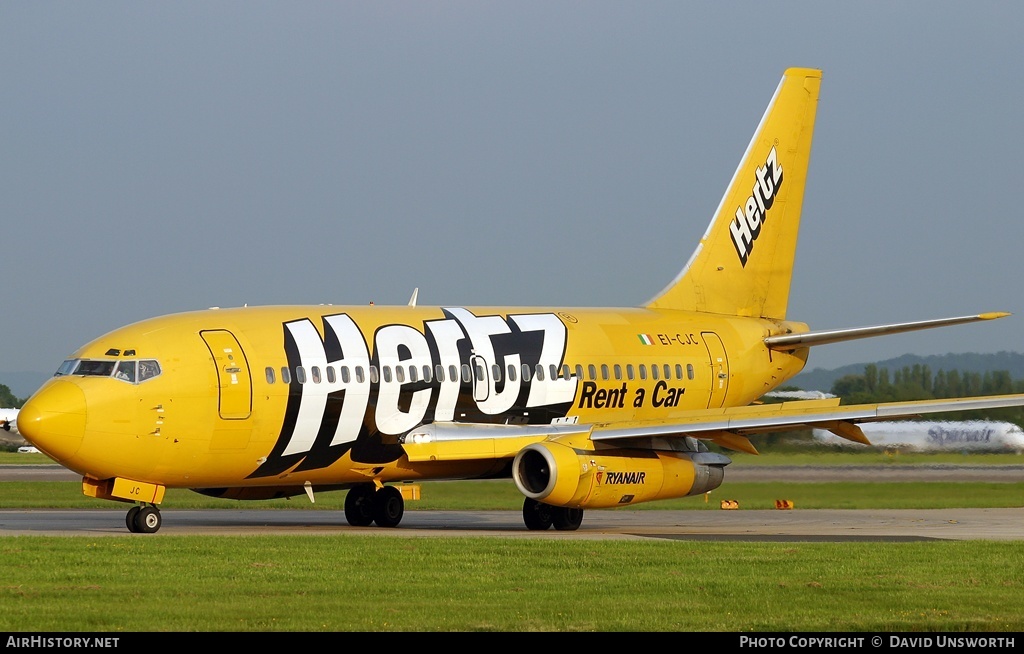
x=581 y=407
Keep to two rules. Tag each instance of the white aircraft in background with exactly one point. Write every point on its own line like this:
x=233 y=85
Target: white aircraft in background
x=9 y=420
x=9 y=423
x=936 y=436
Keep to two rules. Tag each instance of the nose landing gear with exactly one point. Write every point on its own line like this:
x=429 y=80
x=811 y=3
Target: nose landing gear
x=143 y=519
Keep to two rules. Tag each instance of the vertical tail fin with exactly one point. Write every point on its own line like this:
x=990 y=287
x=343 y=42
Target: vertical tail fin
x=744 y=262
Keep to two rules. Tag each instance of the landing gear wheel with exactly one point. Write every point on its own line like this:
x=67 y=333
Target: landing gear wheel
x=566 y=519
x=129 y=520
x=147 y=520
x=388 y=507
x=359 y=505
x=537 y=515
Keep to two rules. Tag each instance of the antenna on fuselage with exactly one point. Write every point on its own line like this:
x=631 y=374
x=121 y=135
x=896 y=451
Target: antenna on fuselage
x=412 y=300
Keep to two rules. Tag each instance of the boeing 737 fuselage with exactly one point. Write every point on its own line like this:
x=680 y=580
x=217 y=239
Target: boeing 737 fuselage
x=580 y=407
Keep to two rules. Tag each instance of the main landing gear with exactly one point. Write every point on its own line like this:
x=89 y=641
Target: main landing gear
x=366 y=504
x=143 y=519
x=539 y=516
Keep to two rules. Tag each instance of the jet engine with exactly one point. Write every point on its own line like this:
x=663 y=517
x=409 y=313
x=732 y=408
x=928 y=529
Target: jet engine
x=559 y=475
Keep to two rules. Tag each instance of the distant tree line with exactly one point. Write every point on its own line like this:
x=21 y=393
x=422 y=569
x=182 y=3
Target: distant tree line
x=917 y=382
x=7 y=399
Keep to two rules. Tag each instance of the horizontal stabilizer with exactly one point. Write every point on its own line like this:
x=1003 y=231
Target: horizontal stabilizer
x=790 y=342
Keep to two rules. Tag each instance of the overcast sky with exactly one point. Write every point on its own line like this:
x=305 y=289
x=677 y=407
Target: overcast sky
x=160 y=157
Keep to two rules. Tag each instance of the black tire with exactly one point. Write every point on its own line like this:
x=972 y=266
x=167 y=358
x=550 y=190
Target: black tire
x=359 y=505
x=566 y=519
x=537 y=515
x=129 y=520
x=388 y=507
x=148 y=520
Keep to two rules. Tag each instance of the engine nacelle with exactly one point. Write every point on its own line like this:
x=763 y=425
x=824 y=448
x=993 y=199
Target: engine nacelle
x=560 y=475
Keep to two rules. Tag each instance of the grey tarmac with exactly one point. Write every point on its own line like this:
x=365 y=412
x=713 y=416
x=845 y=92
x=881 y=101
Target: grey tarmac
x=809 y=525
x=787 y=525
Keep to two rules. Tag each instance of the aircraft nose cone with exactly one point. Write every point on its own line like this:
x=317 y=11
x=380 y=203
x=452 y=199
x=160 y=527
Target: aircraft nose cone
x=54 y=419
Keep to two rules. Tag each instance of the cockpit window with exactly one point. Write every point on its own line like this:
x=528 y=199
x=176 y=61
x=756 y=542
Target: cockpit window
x=95 y=368
x=126 y=371
x=131 y=371
x=148 y=368
x=66 y=368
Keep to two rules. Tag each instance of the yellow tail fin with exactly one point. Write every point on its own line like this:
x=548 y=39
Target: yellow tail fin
x=744 y=262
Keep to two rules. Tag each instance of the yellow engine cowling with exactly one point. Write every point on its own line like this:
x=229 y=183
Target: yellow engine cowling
x=560 y=475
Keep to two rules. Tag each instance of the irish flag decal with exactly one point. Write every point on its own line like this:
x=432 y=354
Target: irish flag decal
x=646 y=339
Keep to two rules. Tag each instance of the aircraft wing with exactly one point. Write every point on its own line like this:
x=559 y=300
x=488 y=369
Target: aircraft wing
x=728 y=427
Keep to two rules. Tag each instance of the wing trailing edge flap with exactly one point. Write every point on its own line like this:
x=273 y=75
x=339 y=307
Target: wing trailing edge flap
x=730 y=427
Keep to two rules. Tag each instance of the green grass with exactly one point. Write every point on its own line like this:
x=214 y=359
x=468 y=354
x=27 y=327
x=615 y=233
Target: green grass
x=366 y=583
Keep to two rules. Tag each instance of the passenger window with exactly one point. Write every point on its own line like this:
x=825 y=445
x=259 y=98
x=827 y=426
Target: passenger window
x=439 y=372
x=315 y=374
x=604 y=371
x=374 y=377
x=553 y=369
x=481 y=374
x=270 y=375
x=496 y=372
x=400 y=374
x=654 y=371
x=592 y=372
x=579 y=371
x=345 y=377
x=386 y=370
x=426 y=373
x=286 y=375
x=689 y=371
x=540 y=372
x=331 y=375
x=453 y=372
x=466 y=373
x=511 y=372
x=643 y=371
x=300 y=375
x=668 y=372
x=360 y=375
x=679 y=371
x=526 y=372
x=414 y=374
x=629 y=371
